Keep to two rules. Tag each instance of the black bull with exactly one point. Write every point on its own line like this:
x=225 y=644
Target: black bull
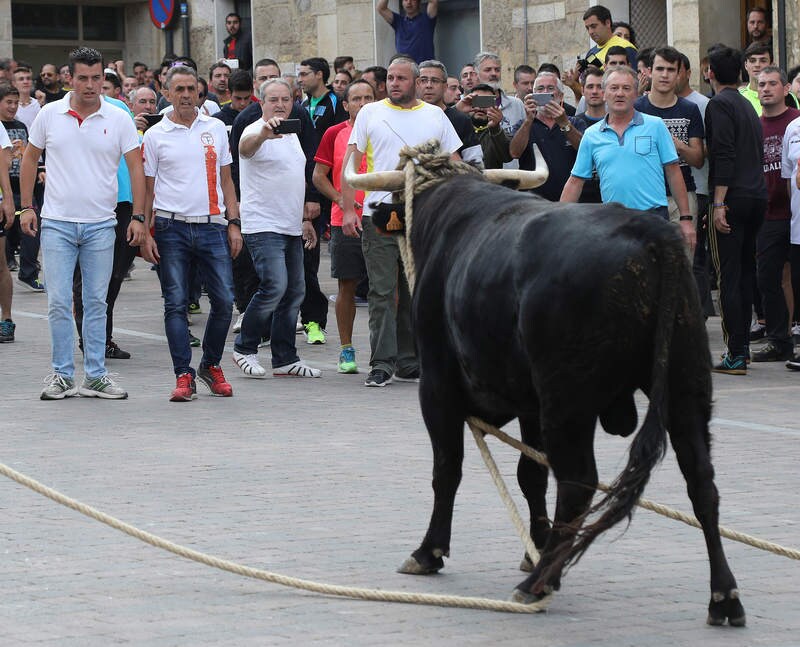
x=555 y=314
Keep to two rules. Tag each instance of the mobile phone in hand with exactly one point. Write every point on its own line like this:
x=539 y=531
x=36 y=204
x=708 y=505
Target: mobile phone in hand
x=287 y=127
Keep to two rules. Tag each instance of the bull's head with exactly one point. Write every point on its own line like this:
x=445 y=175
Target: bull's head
x=390 y=217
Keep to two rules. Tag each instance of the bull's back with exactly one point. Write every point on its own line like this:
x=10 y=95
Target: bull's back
x=537 y=297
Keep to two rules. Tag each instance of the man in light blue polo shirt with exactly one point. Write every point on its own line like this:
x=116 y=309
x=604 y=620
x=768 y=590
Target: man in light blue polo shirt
x=632 y=153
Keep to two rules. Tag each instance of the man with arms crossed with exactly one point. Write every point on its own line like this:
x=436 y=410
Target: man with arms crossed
x=188 y=174
x=412 y=122
x=78 y=218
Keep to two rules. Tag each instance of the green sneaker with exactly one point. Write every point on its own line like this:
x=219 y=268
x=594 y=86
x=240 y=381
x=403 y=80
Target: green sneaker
x=58 y=387
x=194 y=342
x=102 y=387
x=194 y=308
x=347 y=360
x=314 y=333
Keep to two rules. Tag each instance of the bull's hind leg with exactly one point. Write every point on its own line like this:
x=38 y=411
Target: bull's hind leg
x=571 y=454
x=691 y=445
x=532 y=479
x=445 y=423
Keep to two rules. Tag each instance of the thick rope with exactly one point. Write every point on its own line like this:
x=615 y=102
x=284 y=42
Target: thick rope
x=516 y=518
x=671 y=513
x=424 y=166
x=268 y=576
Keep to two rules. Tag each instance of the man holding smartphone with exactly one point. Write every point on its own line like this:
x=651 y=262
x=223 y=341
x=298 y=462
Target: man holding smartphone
x=272 y=183
x=547 y=126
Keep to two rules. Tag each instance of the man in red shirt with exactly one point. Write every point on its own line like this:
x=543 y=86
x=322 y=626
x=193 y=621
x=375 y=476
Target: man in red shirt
x=772 y=243
x=347 y=259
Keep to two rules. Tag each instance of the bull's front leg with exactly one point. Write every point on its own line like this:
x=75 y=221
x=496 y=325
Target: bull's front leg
x=445 y=426
x=532 y=479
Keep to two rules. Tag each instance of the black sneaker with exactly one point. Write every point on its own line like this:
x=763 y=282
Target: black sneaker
x=378 y=377
x=407 y=376
x=13 y=266
x=7 y=328
x=794 y=363
x=115 y=352
x=34 y=285
x=758 y=331
x=771 y=353
x=732 y=366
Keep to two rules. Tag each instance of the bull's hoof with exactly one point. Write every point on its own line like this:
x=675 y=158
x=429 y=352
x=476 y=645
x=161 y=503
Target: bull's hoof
x=726 y=607
x=526 y=564
x=522 y=597
x=413 y=567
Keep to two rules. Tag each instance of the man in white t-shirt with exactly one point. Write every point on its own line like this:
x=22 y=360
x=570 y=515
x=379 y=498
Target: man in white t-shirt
x=189 y=193
x=272 y=183
x=84 y=138
x=380 y=131
x=28 y=106
x=790 y=166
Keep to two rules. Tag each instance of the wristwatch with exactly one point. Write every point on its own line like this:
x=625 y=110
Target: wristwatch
x=235 y=221
x=565 y=129
x=138 y=217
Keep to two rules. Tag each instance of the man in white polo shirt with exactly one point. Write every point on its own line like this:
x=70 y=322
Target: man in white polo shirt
x=189 y=193
x=380 y=131
x=272 y=181
x=84 y=138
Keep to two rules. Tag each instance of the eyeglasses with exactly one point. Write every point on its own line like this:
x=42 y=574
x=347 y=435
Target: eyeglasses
x=429 y=79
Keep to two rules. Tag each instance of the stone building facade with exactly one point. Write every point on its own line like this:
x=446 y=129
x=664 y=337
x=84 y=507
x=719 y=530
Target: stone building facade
x=530 y=31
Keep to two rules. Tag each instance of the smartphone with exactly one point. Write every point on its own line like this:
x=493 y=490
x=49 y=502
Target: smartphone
x=542 y=98
x=287 y=126
x=483 y=101
x=152 y=120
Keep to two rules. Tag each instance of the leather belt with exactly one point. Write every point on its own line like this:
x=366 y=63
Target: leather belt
x=216 y=220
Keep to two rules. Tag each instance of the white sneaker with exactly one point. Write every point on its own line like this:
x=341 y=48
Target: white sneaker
x=296 y=369
x=237 y=326
x=249 y=365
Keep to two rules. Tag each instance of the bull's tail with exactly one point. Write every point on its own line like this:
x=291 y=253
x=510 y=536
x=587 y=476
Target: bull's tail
x=650 y=444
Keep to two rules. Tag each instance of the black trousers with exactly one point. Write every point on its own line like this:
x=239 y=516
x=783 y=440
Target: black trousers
x=700 y=263
x=123 y=257
x=28 y=246
x=734 y=257
x=772 y=253
x=315 y=304
x=794 y=261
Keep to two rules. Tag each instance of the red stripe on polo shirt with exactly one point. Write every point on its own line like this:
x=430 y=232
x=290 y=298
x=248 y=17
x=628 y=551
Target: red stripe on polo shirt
x=76 y=115
x=211 y=179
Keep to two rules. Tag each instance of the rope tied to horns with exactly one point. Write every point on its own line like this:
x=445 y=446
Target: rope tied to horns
x=425 y=166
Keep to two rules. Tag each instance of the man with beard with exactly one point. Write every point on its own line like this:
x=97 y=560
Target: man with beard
x=218 y=76
x=412 y=122
x=238 y=44
x=486 y=124
x=49 y=85
x=431 y=89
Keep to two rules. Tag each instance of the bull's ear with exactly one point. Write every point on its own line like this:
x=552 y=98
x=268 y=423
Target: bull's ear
x=389 y=217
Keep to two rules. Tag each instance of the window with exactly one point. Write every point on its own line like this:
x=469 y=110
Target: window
x=103 y=23
x=44 y=21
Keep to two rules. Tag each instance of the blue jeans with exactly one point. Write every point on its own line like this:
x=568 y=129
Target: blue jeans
x=179 y=243
x=278 y=260
x=91 y=245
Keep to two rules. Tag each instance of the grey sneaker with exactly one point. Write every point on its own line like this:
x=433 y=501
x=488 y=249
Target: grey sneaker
x=58 y=387
x=102 y=387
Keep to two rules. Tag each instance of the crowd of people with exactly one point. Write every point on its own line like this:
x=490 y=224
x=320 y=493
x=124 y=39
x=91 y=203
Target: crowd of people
x=230 y=184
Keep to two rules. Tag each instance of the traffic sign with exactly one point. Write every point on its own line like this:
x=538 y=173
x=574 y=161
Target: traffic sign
x=162 y=12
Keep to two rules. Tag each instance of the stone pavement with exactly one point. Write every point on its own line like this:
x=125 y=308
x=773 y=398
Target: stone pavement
x=328 y=480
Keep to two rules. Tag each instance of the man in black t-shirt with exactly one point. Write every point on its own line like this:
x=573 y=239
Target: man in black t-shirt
x=28 y=275
x=681 y=117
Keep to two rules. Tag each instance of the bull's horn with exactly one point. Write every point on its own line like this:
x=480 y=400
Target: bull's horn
x=375 y=181
x=526 y=179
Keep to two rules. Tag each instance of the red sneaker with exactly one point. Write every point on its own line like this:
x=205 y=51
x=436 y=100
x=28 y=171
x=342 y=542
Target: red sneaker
x=185 y=389
x=214 y=379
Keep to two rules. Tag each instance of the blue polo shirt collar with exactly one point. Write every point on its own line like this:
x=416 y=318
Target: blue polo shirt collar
x=637 y=120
